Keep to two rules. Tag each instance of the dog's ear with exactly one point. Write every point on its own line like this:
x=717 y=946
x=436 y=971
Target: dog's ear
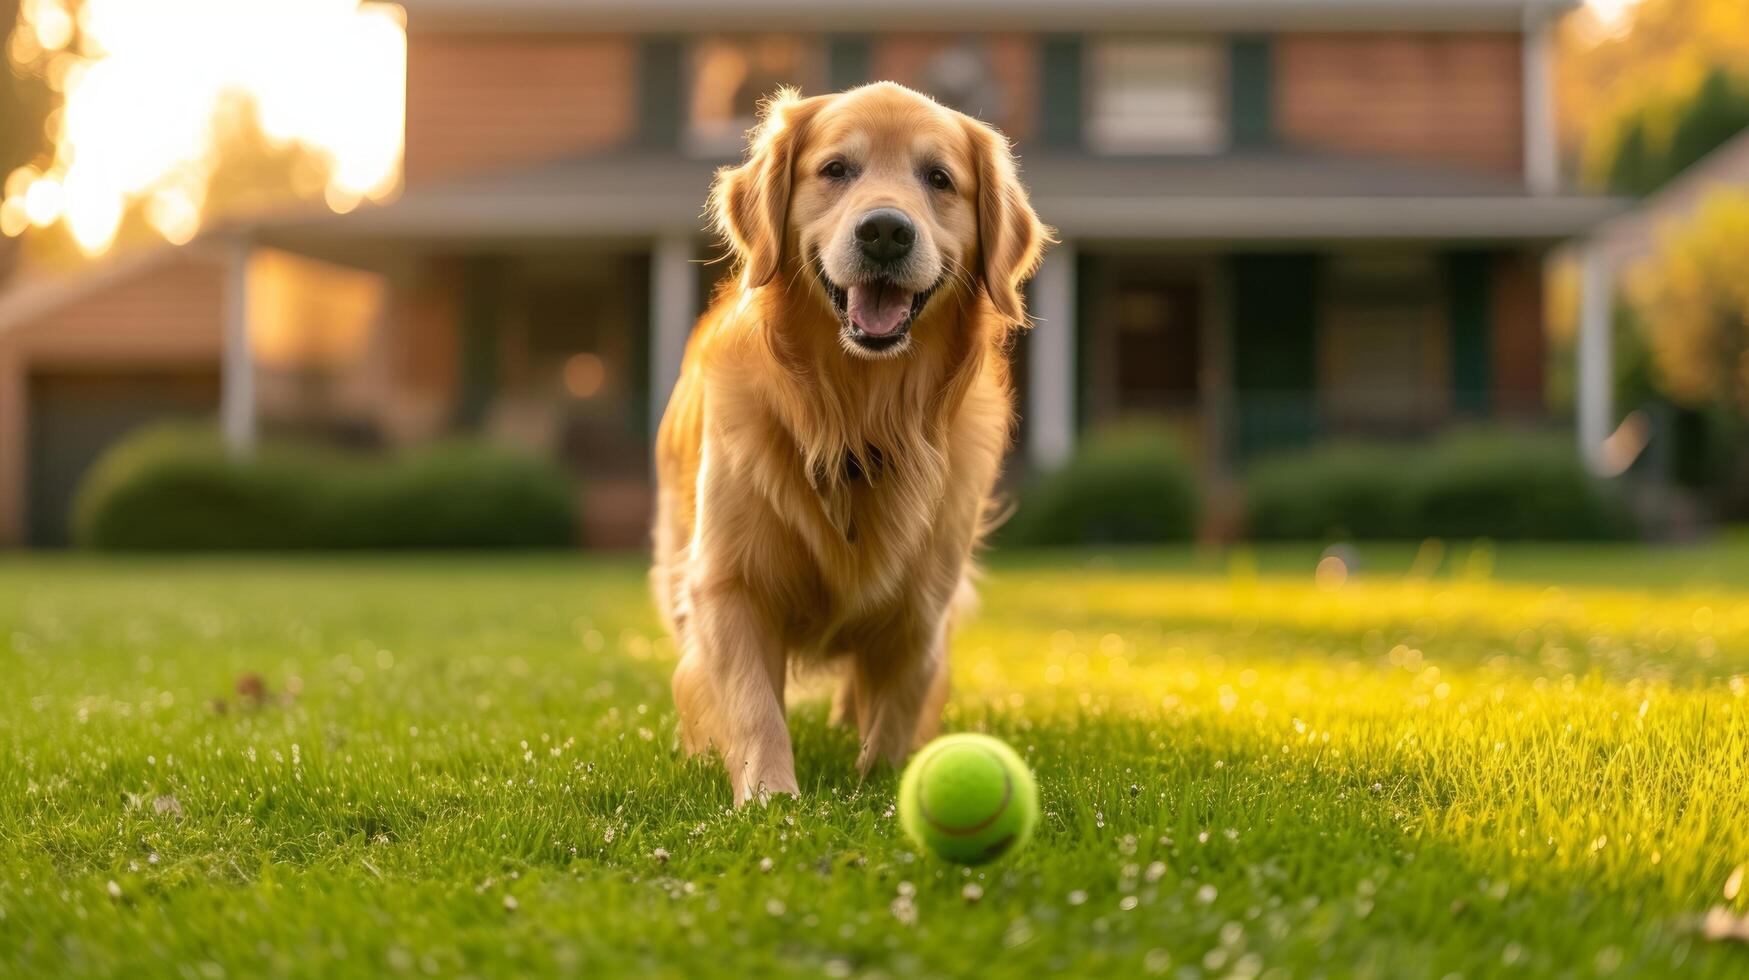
x=1011 y=239
x=749 y=204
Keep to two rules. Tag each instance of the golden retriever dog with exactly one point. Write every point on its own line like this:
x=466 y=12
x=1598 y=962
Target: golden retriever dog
x=839 y=422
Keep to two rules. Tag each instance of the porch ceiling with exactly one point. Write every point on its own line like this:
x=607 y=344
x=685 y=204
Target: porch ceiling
x=1248 y=197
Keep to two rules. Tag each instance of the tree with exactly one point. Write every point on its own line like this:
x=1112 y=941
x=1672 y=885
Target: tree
x=1694 y=297
x=1692 y=300
x=1631 y=168
x=1661 y=139
x=24 y=103
x=1646 y=100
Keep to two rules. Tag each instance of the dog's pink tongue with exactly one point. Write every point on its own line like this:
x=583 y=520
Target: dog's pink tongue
x=877 y=309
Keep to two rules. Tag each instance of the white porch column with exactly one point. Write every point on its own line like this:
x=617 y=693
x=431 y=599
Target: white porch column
x=1595 y=396
x=1542 y=169
x=1050 y=408
x=237 y=409
x=673 y=309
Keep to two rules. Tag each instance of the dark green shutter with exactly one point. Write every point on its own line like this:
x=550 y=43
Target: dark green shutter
x=1469 y=295
x=1274 y=307
x=848 y=61
x=1060 y=92
x=483 y=280
x=1251 y=92
x=661 y=107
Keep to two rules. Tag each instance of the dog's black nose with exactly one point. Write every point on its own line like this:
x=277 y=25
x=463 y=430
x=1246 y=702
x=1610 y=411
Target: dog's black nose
x=886 y=234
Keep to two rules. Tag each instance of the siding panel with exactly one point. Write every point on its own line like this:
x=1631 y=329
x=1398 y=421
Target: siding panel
x=1010 y=59
x=1450 y=99
x=477 y=103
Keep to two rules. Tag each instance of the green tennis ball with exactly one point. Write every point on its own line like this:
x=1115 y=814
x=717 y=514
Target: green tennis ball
x=968 y=798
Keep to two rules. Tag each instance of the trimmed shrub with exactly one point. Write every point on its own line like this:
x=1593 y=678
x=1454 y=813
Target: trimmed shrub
x=1336 y=491
x=1508 y=485
x=1129 y=484
x=1468 y=484
x=176 y=488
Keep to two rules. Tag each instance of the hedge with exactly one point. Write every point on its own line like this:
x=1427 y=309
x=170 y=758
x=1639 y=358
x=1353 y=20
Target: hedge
x=1128 y=484
x=177 y=488
x=1491 y=483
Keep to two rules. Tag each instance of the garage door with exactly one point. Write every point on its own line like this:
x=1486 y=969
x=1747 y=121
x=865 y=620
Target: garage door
x=75 y=416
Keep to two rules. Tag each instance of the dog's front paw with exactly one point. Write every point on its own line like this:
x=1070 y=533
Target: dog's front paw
x=760 y=786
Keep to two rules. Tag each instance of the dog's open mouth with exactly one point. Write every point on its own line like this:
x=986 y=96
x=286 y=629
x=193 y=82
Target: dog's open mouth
x=876 y=314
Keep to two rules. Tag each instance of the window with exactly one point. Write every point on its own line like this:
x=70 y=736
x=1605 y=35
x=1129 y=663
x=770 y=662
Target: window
x=1156 y=96
x=729 y=77
x=311 y=317
x=961 y=76
x=1383 y=350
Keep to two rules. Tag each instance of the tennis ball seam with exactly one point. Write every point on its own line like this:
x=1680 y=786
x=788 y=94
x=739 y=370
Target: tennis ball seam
x=995 y=815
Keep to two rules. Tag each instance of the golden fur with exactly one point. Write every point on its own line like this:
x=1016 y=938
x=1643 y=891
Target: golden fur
x=816 y=501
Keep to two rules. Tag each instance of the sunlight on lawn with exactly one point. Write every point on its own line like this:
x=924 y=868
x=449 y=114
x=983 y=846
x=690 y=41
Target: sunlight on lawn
x=468 y=766
x=1546 y=728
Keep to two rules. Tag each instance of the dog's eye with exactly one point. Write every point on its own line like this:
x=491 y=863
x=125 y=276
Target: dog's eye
x=939 y=179
x=836 y=170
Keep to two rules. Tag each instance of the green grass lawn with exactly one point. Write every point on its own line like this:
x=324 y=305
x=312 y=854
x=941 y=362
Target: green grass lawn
x=1525 y=762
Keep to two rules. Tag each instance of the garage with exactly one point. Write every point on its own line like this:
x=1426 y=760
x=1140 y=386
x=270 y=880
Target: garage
x=76 y=415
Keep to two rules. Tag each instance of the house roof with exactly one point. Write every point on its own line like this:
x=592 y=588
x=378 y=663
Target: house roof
x=1634 y=234
x=690 y=15
x=25 y=299
x=1275 y=196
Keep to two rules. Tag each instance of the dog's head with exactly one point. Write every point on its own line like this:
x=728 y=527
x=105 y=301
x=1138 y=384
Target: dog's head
x=884 y=204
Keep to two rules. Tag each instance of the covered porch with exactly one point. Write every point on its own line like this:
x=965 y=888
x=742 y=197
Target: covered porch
x=1270 y=299
x=1245 y=348
x=1256 y=301
x=547 y=310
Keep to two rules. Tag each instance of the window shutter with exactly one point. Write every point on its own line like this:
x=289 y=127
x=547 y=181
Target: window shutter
x=1060 y=97
x=1470 y=299
x=848 y=58
x=1251 y=92
x=659 y=93
x=1273 y=300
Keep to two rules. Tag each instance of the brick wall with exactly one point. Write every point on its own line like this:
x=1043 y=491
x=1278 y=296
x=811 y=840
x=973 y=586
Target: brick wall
x=1012 y=61
x=483 y=102
x=1446 y=98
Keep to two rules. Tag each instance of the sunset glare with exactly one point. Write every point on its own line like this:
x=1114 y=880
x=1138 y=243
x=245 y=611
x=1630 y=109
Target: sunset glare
x=141 y=90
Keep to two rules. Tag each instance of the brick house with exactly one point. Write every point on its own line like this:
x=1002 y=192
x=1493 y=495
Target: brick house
x=1281 y=220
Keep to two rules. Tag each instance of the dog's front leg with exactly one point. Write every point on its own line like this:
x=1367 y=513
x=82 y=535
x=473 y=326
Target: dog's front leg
x=728 y=690
x=896 y=689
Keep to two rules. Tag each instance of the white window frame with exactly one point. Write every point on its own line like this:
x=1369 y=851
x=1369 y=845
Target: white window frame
x=1144 y=122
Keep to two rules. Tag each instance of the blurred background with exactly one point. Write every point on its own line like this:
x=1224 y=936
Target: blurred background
x=330 y=274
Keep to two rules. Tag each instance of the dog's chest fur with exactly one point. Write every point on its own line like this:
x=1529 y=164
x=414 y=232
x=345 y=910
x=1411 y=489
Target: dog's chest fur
x=873 y=520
